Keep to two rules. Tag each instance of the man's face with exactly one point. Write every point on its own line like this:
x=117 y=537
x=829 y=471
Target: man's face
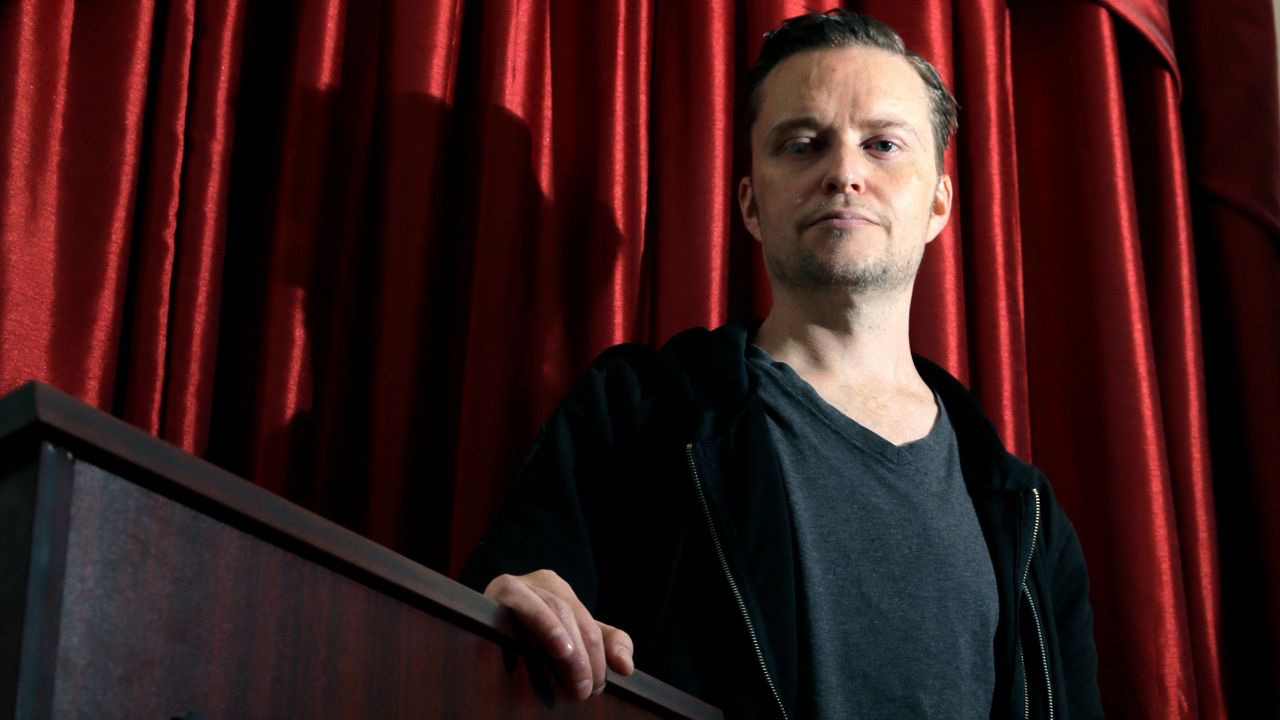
x=843 y=191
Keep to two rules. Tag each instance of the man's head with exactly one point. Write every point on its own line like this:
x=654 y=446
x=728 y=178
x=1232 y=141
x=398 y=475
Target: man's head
x=841 y=28
x=845 y=189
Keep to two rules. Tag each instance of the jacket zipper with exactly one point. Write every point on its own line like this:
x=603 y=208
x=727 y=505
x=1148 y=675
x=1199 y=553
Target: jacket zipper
x=733 y=585
x=1044 y=655
x=1026 y=692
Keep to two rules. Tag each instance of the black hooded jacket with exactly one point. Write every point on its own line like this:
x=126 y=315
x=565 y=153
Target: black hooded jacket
x=654 y=490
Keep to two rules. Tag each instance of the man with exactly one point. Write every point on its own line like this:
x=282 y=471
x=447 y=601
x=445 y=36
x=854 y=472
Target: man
x=804 y=520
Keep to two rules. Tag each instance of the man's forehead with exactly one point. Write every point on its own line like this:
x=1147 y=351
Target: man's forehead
x=864 y=85
x=812 y=76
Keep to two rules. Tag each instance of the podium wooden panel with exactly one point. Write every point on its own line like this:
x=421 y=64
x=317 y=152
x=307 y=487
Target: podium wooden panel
x=137 y=581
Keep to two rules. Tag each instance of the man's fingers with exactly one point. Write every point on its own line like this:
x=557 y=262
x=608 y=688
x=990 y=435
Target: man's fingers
x=618 y=649
x=575 y=668
x=593 y=642
x=582 y=648
x=540 y=619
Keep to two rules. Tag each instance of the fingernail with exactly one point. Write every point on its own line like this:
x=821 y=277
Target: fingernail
x=584 y=685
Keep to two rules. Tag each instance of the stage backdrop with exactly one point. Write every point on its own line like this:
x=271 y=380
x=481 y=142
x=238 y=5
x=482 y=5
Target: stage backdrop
x=356 y=250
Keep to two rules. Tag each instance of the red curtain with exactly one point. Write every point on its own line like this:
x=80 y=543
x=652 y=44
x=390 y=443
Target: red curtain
x=1228 y=60
x=356 y=251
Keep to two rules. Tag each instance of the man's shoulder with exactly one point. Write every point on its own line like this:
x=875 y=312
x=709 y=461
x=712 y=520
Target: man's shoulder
x=979 y=440
x=697 y=356
x=695 y=376
x=692 y=346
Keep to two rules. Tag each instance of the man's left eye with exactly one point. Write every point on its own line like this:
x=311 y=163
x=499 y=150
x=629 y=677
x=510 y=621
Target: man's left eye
x=884 y=146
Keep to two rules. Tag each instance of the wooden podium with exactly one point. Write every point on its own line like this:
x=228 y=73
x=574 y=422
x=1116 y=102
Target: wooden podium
x=137 y=581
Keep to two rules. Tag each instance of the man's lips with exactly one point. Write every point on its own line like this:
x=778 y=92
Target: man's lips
x=844 y=219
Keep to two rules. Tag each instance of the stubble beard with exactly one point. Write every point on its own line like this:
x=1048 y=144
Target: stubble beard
x=807 y=270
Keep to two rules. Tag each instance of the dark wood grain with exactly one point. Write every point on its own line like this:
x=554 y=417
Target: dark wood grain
x=187 y=590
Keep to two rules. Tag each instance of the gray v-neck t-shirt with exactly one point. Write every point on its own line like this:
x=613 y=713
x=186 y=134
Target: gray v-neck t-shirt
x=898 y=604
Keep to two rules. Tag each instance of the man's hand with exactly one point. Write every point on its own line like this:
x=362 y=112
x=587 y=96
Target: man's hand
x=546 y=605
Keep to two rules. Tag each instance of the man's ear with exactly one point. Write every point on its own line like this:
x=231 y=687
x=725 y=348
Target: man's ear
x=747 y=204
x=940 y=206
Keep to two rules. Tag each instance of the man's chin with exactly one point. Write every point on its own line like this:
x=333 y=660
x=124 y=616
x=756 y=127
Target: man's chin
x=837 y=277
x=851 y=276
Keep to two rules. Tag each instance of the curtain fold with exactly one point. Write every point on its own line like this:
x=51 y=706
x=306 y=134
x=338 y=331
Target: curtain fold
x=357 y=251
x=149 y=290
x=1232 y=115
x=691 y=137
x=990 y=227
x=1090 y=332
x=115 y=119
x=1168 y=259
x=194 y=316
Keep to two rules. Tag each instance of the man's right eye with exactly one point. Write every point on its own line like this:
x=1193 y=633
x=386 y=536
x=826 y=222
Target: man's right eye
x=797 y=145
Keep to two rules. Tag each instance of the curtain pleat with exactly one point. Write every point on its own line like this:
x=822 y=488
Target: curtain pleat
x=100 y=142
x=1091 y=341
x=201 y=227
x=1231 y=111
x=990 y=228
x=1168 y=258
x=357 y=252
x=149 y=292
x=517 y=253
x=36 y=42
x=412 y=136
x=691 y=134
x=1072 y=287
x=317 y=185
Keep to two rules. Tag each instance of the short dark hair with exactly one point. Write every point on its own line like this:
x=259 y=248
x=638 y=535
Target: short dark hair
x=839 y=28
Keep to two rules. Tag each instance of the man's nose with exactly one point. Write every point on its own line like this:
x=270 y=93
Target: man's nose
x=847 y=170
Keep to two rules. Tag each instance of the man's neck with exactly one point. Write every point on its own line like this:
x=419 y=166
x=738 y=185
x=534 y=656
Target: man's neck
x=843 y=337
x=855 y=351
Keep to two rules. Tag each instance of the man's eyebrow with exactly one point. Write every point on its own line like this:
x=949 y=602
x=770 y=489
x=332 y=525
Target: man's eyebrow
x=809 y=122
x=889 y=124
x=804 y=122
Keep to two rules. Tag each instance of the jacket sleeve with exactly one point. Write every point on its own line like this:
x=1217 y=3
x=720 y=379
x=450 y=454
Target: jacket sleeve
x=554 y=507
x=1073 y=617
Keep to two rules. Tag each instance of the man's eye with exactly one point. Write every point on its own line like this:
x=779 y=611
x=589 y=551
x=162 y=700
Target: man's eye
x=884 y=146
x=797 y=145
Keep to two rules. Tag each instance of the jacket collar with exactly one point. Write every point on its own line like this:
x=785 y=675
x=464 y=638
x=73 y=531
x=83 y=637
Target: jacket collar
x=709 y=369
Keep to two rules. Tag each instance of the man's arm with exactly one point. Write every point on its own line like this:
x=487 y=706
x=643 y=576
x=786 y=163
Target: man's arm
x=1074 y=619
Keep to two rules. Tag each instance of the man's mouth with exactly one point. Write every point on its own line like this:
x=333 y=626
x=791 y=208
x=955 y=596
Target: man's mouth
x=844 y=218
